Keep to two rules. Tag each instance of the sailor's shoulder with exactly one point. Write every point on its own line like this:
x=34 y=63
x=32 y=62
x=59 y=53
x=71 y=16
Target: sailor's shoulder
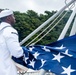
x=10 y=31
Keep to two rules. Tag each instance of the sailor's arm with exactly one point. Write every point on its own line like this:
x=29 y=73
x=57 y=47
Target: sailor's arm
x=13 y=43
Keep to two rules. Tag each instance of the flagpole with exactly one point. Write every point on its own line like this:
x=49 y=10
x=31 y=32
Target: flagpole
x=67 y=25
x=45 y=23
x=73 y=30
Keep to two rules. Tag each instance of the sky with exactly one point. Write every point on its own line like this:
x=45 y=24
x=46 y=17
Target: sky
x=38 y=6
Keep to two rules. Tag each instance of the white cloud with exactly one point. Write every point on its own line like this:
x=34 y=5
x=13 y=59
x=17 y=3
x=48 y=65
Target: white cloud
x=37 y=5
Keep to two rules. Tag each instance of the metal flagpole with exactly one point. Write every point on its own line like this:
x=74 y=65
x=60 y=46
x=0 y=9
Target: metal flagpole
x=67 y=25
x=73 y=30
x=45 y=23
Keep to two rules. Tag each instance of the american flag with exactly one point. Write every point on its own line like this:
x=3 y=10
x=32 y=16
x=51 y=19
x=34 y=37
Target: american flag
x=58 y=57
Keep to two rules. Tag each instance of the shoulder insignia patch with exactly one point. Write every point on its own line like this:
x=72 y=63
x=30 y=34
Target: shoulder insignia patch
x=14 y=33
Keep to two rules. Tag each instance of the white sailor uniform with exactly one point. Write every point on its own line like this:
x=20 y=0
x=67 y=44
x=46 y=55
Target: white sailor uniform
x=9 y=44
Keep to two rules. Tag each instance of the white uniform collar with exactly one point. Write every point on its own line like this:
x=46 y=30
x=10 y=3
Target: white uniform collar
x=4 y=24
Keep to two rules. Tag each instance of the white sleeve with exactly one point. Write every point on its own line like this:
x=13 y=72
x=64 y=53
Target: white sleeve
x=13 y=43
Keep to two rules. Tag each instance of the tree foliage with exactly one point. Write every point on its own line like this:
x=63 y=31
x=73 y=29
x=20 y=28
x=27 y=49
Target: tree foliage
x=29 y=21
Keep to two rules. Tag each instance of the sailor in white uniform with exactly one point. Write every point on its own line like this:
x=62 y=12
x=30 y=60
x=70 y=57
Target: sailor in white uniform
x=9 y=44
